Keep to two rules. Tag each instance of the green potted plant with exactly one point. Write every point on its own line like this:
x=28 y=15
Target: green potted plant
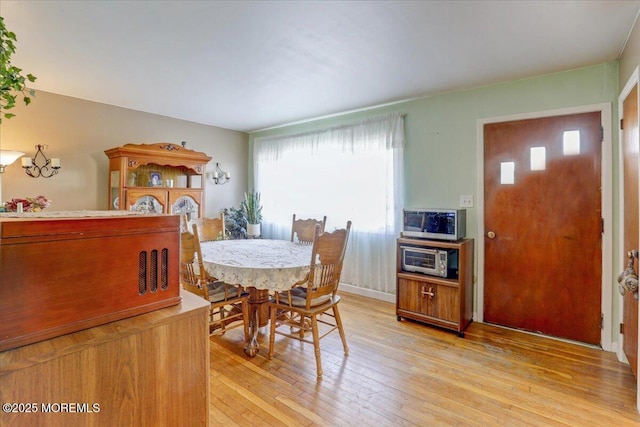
x=252 y=210
x=235 y=223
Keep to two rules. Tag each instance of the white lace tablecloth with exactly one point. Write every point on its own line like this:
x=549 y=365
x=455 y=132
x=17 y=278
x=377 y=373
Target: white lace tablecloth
x=263 y=264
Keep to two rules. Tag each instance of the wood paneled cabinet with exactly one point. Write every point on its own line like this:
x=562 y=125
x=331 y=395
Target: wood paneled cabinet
x=444 y=302
x=157 y=178
x=147 y=370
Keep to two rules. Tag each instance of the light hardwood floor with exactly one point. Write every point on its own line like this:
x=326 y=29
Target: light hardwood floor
x=408 y=374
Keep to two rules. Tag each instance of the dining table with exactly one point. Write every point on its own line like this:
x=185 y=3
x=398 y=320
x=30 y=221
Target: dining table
x=262 y=266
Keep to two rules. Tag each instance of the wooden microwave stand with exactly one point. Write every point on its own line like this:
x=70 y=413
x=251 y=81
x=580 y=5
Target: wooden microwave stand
x=442 y=302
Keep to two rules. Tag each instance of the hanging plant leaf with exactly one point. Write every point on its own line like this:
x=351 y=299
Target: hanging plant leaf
x=11 y=81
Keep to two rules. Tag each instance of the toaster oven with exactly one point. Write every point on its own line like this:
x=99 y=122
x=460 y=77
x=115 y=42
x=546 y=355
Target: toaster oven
x=431 y=261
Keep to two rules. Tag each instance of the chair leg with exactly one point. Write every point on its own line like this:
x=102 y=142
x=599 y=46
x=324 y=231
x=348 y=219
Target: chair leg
x=272 y=329
x=336 y=314
x=222 y=322
x=245 y=319
x=211 y=322
x=301 y=331
x=316 y=343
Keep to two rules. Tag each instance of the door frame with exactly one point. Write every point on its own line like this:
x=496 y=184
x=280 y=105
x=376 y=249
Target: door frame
x=607 y=207
x=634 y=79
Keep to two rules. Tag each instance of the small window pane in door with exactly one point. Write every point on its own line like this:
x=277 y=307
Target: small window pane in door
x=571 y=142
x=538 y=158
x=507 y=172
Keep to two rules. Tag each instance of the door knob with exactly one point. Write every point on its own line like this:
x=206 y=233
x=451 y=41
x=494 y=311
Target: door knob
x=491 y=235
x=628 y=279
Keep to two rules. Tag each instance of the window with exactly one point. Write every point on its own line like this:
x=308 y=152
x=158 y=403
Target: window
x=538 y=158
x=571 y=142
x=352 y=173
x=507 y=173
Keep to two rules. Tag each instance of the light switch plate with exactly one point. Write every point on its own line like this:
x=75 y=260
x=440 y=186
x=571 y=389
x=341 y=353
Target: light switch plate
x=466 y=201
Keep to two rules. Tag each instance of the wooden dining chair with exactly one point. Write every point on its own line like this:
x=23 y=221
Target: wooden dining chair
x=316 y=295
x=184 y=223
x=210 y=228
x=228 y=302
x=302 y=230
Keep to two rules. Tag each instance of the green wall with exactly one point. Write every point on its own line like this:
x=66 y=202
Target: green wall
x=441 y=149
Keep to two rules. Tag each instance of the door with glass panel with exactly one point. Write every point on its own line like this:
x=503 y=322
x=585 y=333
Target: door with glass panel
x=543 y=225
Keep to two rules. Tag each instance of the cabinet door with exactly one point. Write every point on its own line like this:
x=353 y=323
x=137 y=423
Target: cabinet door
x=187 y=202
x=429 y=299
x=441 y=301
x=409 y=297
x=147 y=200
x=114 y=190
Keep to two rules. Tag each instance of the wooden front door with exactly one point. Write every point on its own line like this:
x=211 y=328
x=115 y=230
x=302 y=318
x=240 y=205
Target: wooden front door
x=630 y=230
x=543 y=225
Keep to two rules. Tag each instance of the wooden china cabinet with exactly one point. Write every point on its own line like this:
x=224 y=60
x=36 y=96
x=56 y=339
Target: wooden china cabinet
x=157 y=178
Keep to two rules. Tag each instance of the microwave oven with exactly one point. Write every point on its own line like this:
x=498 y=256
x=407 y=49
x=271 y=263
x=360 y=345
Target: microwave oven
x=439 y=224
x=432 y=261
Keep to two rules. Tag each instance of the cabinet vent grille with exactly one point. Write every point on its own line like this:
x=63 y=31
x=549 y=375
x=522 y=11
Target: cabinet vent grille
x=142 y=273
x=164 y=270
x=153 y=270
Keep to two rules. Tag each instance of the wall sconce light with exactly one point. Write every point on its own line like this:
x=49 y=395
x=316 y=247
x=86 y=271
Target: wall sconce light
x=40 y=166
x=7 y=157
x=220 y=177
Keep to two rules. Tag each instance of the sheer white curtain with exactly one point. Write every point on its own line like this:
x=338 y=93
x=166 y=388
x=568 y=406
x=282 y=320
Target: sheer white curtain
x=351 y=172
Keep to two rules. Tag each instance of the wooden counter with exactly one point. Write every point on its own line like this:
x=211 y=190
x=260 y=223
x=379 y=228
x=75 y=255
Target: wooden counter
x=147 y=370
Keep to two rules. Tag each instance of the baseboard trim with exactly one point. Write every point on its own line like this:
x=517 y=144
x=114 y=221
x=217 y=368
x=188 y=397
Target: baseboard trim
x=382 y=296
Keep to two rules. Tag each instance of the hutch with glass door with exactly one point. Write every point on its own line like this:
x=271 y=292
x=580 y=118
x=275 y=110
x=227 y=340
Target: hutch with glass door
x=157 y=178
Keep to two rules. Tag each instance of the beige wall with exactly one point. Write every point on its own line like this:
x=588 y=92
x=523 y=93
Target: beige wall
x=630 y=58
x=79 y=131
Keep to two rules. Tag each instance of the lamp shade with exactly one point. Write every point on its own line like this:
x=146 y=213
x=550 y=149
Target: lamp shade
x=7 y=157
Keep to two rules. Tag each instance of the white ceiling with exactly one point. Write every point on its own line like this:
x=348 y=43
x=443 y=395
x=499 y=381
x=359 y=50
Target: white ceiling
x=249 y=65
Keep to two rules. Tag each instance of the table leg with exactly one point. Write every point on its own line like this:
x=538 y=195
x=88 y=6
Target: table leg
x=257 y=297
